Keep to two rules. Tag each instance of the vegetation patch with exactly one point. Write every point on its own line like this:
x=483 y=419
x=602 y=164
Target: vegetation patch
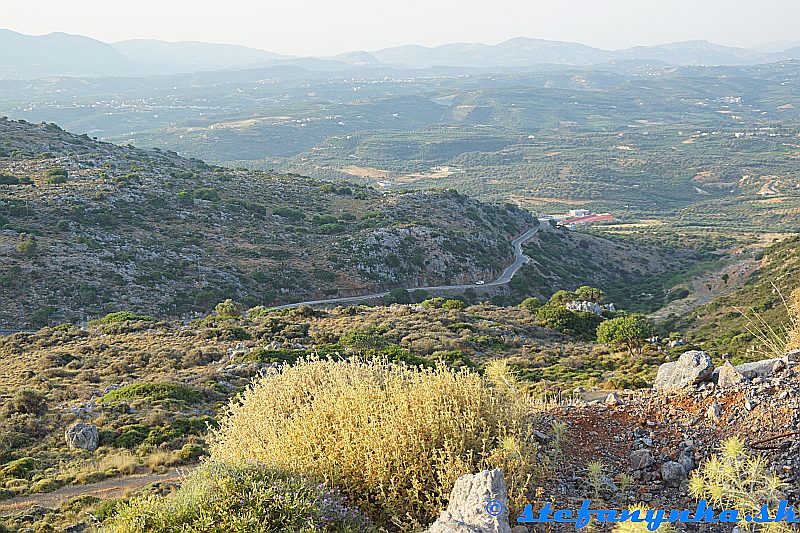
x=153 y=392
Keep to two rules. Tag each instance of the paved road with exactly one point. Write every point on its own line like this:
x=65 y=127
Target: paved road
x=12 y=331
x=519 y=260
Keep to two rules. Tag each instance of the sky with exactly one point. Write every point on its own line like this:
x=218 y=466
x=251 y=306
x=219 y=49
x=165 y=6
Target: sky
x=329 y=27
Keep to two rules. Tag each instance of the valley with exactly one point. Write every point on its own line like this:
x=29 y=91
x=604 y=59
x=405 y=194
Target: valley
x=258 y=292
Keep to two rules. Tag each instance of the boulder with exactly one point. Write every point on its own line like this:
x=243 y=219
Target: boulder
x=728 y=376
x=83 y=437
x=792 y=357
x=760 y=369
x=641 y=459
x=467 y=510
x=673 y=474
x=686 y=460
x=691 y=368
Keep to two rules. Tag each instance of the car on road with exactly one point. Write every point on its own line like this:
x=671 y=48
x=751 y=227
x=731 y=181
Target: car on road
x=480 y=282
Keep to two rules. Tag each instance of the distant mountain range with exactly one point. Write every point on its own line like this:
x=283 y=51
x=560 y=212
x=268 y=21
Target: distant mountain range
x=60 y=54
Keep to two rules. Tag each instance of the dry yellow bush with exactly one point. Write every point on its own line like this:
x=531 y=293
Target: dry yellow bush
x=794 y=334
x=117 y=463
x=392 y=438
x=159 y=459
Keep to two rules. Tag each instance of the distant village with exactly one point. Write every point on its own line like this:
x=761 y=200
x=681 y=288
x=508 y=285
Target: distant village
x=579 y=217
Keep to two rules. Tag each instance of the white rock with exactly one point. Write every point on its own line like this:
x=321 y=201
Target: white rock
x=467 y=510
x=762 y=369
x=613 y=399
x=728 y=376
x=691 y=368
x=82 y=436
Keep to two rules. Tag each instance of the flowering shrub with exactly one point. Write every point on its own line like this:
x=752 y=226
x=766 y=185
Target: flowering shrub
x=245 y=498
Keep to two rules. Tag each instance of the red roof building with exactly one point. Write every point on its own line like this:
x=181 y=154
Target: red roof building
x=590 y=219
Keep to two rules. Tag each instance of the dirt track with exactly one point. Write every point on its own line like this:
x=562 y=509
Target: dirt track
x=108 y=488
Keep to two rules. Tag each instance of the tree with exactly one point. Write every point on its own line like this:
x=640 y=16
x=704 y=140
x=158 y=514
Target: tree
x=56 y=175
x=397 y=296
x=560 y=298
x=578 y=323
x=590 y=294
x=419 y=295
x=531 y=304
x=630 y=331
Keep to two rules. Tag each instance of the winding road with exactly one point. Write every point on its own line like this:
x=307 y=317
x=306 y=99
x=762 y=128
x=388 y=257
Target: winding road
x=519 y=260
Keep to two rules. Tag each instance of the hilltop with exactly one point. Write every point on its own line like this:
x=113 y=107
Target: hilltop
x=90 y=227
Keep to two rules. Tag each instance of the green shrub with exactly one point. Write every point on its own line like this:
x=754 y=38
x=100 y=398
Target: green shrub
x=206 y=193
x=330 y=229
x=397 y=296
x=453 y=304
x=44 y=485
x=419 y=295
x=228 y=309
x=18 y=469
x=56 y=175
x=41 y=317
x=288 y=212
x=129 y=436
x=29 y=401
x=191 y=452
x=153 y=392
x=26 y=245
x=264 y=355
x=121 y=316
x=107 y=508
x=436 y=303
x=249 y=498
x=577 y=323
x=185 y=197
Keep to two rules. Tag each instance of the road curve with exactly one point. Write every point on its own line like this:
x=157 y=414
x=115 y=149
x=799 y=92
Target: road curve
x=519 y=260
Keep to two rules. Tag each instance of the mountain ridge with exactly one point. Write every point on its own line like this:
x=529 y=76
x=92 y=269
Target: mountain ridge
x=76 y=55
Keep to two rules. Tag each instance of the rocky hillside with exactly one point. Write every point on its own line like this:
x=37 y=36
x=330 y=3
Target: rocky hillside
x=89 y=228
x=634 y=275
x=732 y=323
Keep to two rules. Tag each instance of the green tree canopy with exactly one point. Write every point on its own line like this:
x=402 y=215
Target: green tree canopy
x=590 y=294
x=531 y=304
x=630 y=331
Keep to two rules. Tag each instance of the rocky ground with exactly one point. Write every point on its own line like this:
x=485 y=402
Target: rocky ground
x=659 y=437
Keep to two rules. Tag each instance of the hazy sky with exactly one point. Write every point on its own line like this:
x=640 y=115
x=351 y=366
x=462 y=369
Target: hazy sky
x=327 y=27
